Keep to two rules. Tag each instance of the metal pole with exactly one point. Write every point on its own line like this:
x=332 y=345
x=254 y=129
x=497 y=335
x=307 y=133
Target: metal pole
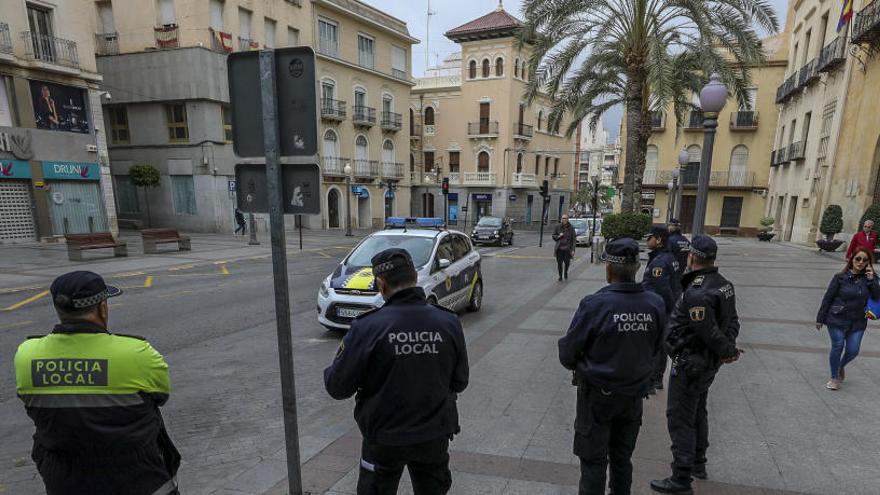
x=445 y=210
x=595 y=207
x=679 y=193
x=299 y=219
x=252 y=225
x=710 y=122
x=348 y=205
x=543 y=215
x=279 y=269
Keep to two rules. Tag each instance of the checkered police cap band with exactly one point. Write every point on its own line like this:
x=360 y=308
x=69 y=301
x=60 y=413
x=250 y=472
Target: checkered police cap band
x=383 y=267
x=620 y=260
x=90 y=301
x=700 y=254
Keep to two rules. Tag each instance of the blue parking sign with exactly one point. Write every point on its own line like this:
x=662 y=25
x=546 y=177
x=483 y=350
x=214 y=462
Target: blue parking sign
x=230 y=185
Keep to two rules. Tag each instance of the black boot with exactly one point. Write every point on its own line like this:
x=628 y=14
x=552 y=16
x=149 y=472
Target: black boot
x=699 y=471
x=669 y=485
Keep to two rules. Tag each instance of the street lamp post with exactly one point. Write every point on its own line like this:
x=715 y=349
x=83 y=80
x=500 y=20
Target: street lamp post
x=670 y=197
x=683 y=157
x=712 y=100
x=347 y=171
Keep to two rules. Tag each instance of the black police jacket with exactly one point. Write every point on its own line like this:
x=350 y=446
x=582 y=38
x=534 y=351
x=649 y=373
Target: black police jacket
x=661 y=277
x=406 y=361
x=680 y=247
x=704 y=322
x=844 y=303
x=613 y=339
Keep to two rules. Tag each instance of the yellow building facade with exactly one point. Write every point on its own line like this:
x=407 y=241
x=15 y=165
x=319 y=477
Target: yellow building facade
x=472 y=125
x=740 y=160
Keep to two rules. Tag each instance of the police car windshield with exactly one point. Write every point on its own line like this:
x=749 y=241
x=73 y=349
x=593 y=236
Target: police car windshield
x=489 y=222
x=418 y=247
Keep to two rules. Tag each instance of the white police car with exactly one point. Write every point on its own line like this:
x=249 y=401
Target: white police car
x=447 y=264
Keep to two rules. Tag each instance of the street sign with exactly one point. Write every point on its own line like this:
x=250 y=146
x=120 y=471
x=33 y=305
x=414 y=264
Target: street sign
x=648 y=195
x=297 y=102
x=611 y=192
x=300 y=188
x=512 y=197
x=230 y=186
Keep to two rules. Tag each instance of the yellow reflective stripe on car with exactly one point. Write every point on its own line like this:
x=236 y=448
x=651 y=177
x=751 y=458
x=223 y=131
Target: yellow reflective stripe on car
x=473 y=284
x=361 y=279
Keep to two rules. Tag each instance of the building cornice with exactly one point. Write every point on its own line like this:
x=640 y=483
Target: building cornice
x=337 y=6
x=374 y=72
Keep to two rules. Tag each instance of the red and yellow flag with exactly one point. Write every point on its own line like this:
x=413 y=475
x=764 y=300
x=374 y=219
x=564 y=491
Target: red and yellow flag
x=845 y=14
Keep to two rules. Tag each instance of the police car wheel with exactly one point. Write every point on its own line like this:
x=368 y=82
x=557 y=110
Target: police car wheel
x=476 y=298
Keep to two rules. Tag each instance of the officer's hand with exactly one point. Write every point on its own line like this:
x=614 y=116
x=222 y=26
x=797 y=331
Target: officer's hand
x=733 y=358
x=818 y=326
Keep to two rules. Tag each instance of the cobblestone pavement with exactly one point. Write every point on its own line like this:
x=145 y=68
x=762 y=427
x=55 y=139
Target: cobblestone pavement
x=774 y=428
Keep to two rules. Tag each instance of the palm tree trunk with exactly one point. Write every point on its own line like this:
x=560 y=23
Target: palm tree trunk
x=638 y=131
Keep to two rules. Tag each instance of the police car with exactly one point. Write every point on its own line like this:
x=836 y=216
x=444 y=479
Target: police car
x=447 y=264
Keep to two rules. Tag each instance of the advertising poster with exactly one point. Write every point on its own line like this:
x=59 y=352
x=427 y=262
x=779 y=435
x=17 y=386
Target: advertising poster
x=59 y=108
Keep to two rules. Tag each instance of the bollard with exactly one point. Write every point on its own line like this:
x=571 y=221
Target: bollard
x=598 y=248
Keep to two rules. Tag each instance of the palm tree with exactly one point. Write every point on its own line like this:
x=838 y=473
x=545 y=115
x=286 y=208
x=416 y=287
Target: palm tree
x=584 y=196
x=591 y=55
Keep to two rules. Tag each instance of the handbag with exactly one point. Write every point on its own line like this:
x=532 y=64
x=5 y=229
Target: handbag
x=872 y=309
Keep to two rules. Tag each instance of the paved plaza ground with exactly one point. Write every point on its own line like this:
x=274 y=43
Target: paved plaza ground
x=774 y=428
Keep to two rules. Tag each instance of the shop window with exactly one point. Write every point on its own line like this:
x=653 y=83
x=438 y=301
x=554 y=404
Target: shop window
x=175 y=115
x=118 y=125
x=184 y=194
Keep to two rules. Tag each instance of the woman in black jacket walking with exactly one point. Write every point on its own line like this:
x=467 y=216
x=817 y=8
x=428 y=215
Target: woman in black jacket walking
x=843 y=311
x=566 y=240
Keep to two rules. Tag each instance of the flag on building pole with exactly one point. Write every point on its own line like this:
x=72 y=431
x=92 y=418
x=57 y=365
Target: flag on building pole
x=845 y=14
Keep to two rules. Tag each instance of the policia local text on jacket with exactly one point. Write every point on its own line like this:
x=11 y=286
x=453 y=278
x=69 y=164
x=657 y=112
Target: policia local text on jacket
x=702 y=334
x=94 y=398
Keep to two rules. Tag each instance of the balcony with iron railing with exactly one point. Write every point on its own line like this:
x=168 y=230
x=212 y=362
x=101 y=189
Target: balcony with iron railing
x=787 y=89
x=332 y=109
x=106 y=43
x=5 y=39
x=724 y=179
x=363 y=116
x=833 y=55
x=247 y=44
x=486 y=178
x=523 y=131
x=221 y=41
x=333 y=166
x=743 y=120
x=415 y=131
x=796 y=151
x=167 y=36
x=483 y=128
x=392 y=121
x=807 y=74
x=658 y=120
x=866 y=28
x=524 y=180
x=45 y=48
x=779 y=157
x=399 y=74
x=392 y=170
x=366 y=169
x=694 y=121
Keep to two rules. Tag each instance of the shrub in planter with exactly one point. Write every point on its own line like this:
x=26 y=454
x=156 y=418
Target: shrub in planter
x=832 y=221
x=765 y=232
x=632 y=225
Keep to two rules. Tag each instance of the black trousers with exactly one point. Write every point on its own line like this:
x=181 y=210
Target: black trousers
x=563 y=260
x=144 y=474
x=688 y=422
x=240 y=227
x=606 y=430
x=659 y=368
x=382 y=467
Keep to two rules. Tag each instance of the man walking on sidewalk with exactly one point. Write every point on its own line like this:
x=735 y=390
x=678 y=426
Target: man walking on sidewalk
x=566 y=240
x=702 y=336
x=865 y=238
x=407 y=363
x=610 y=346
x=239 y=220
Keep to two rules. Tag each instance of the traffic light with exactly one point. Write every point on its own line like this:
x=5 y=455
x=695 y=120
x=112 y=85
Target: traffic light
x=545 y=188
x=445 y=185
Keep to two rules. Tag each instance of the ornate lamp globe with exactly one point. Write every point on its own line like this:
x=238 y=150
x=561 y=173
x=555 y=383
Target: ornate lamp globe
x=713 y=95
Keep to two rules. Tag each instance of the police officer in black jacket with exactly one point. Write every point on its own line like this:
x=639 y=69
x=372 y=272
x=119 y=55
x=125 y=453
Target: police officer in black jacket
x=406 y=361
x=701 y=337
x=661 y=278
x=678 y=245
x=611 y=345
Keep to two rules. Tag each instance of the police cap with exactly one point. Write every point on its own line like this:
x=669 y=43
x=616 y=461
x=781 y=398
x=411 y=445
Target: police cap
x=673 y=222
x=703 y=246
x=80 y=290
x=392 y=260
x=659 y=232
x=621 y=251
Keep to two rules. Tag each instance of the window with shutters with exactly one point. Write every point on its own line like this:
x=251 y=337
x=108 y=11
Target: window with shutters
x=292 y=36
x=429 y=116
x=365 y=51
x=739 y=166
x=652 y=155
x=328 y=42
x=269 y=32
x=216 y=7
x=825 y=132
x=483 y=162
x=165 y=12
x=118 y=125
x=429 y=161
x=398 y=62
x=454 y=161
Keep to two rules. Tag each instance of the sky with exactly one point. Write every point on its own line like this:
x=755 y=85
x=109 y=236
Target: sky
x=449 y=14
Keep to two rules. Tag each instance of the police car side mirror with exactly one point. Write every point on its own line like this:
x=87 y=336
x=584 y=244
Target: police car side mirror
x=443 y=263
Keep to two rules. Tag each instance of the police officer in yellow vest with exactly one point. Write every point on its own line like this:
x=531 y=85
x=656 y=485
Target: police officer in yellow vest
x=94 y=398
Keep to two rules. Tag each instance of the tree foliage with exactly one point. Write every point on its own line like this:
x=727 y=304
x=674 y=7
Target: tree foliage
x=832 y=221
x=584 y=196
x=144 y=175
x=592 y=55
x=632 y=225
x=872 y=213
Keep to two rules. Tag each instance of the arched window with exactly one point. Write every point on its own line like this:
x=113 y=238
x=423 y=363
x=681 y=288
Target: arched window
x=692 y=170
x=519 y=163
x=472 y=70
x=333 y=209
x=483 y=162
x=486 y=67
x=499 y=67
x=516 y=68
x=361 y=150
x=429 y=116
x=739 y=166
x=540 y=118
x=388 y=151
x=331 y=148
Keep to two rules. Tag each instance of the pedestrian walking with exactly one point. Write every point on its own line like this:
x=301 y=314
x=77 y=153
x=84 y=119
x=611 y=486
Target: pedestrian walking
x=239 y=220
x=610 y=345
x=865 y=238
x=94 y=398
x=701 y=337
x=661 y=278
x=843 y=311
x=566 y=241
x=678 y=245
x=407 y=379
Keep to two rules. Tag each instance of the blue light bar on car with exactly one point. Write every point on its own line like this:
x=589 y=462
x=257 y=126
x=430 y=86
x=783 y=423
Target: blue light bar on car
x=403 y=222
x=395 y=222
x=429 y=222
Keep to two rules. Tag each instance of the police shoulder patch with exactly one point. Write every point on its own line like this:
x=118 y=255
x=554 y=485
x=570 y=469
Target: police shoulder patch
x=131 y=336
x=698 y=281
x=697 y=313
x=657 y=272
x=444 y=308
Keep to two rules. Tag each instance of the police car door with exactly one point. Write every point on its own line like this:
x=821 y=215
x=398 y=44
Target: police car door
x=444 y=291
x=467 y=261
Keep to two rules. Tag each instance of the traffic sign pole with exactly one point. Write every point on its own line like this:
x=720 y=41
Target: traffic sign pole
x=279 y=268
